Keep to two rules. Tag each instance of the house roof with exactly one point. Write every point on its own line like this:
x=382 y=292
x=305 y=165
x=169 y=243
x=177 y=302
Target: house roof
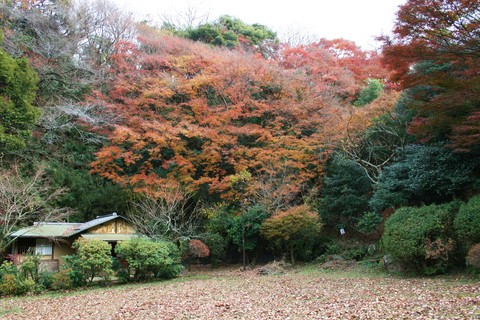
x=43 y=230
x=61 y=229
x=80 y=227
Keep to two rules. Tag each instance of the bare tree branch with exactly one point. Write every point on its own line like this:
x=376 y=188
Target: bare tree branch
x=174 y=216
x=23 y=201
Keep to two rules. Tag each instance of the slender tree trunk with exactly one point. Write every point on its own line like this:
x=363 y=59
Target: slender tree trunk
x=243 y=249
x=292 y=257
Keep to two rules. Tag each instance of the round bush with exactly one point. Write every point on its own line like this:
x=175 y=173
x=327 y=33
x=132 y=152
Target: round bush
x=467 y=222
x=473 y=257
x=149 y=259
x=421 y=238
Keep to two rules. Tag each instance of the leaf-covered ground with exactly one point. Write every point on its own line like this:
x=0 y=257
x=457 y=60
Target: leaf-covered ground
x=231 y=294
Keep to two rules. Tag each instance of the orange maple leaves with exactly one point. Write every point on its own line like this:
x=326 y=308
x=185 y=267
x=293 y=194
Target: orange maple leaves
x=196 y=115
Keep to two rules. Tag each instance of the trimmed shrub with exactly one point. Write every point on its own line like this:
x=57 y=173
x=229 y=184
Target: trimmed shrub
x=421 y=238
x=149 y=259
x=94 y=258
x=467 y=222
x=62 y=280
x=198 y=249
x=473 y=257
x=194 y=251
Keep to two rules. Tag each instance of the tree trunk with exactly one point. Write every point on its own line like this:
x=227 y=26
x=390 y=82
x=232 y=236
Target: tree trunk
x=292 y=257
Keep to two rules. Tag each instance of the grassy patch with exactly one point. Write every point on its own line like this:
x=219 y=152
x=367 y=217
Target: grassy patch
x=4 y=312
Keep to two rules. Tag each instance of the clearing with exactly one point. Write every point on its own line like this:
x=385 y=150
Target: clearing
x=302 y=293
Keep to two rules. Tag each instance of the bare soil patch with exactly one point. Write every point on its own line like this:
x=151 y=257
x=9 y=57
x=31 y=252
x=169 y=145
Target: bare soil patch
x=229 y=293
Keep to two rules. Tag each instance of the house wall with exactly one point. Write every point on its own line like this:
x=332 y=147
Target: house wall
x=54 y=262
x=115 y=226
x=61 y=249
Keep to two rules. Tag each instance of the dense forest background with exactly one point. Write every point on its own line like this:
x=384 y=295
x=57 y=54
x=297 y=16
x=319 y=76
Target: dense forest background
x=221 y=132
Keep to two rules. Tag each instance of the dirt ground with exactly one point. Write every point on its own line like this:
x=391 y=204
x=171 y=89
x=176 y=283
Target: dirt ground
x=307 y=293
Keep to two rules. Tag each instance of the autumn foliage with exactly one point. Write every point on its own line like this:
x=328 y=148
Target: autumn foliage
x=434 y=52
x=198 y=249
x=293 y=229
x=196 y=116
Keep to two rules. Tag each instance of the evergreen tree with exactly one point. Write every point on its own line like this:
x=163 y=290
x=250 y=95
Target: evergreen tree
x=18 y=83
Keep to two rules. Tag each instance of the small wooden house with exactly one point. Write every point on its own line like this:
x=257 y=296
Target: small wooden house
x=53 y=240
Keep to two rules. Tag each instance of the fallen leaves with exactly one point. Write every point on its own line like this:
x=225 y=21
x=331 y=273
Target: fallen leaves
x=231 y=294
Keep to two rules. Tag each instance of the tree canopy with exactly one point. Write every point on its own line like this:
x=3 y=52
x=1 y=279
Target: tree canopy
x=18 y=115
x=435 y=49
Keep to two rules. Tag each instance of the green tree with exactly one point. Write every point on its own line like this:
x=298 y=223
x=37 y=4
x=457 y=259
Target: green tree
x=88 y=195
x=369 y=222
x=345 y=193
x=255 y=33
x=229 y=32
x=245 y=229
x=382 y=141
x=371 y=92
x=18 y=115
x=423 y=175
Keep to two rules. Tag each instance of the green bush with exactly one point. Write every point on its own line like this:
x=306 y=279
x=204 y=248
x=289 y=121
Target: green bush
x=72 y=268
x=24 y=286
x=8 y=285
x=15 y=281
x=473 y=257
x=467 y=222
x=30 y=265
x=45 y=280
x=217 y=245
x=62 y=280
x=7 y=267
x=332 y=247
x=171 y=266
x=94 y=258
x=356 y=253
x=149 y=259
x=421 y=238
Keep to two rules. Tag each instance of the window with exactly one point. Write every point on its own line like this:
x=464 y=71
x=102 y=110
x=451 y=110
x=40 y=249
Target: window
x=43 y=247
